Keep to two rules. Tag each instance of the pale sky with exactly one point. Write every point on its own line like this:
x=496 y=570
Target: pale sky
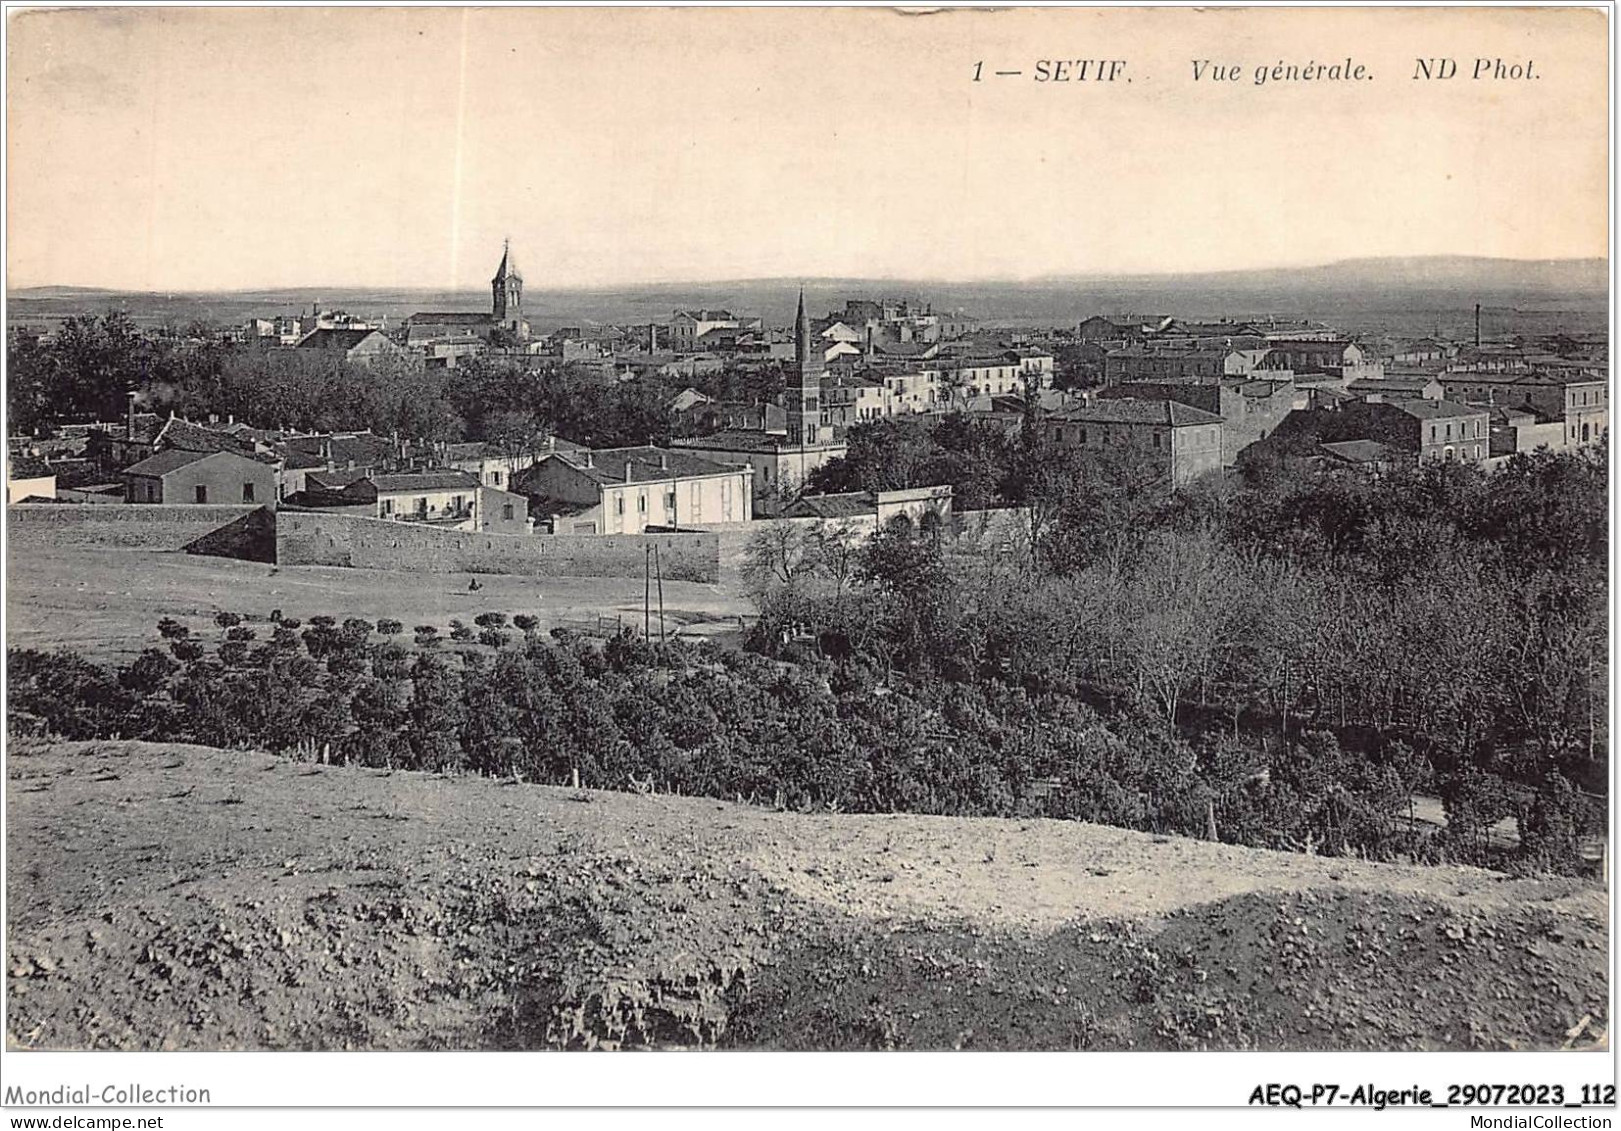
x=191 y=149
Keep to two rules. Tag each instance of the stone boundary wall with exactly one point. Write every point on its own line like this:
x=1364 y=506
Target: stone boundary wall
x=732 y=538
x=992 y=530
x=315 y=538
x=132 y=526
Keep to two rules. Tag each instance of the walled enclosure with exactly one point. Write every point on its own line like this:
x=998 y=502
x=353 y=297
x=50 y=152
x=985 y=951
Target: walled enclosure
x=318 y=538
x=314 y=538
x=146 y=526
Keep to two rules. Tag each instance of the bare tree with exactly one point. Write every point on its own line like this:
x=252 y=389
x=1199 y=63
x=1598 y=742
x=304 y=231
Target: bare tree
x=777 y=556
x=834 y=551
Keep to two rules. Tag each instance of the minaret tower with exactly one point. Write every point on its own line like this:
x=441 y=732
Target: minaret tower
x=506 y=291
x=804 y=399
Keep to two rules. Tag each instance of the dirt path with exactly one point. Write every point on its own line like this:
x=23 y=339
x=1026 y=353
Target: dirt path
x=191 y=897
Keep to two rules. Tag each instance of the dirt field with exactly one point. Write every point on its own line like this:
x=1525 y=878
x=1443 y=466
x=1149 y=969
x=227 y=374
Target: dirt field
x=104 y=604
x=165 y=897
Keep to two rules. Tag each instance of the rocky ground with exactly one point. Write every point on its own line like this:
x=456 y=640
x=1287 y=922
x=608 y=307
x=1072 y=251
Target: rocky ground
x=184 y=897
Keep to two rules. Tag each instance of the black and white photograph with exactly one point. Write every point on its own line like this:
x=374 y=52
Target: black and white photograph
x=807 y=530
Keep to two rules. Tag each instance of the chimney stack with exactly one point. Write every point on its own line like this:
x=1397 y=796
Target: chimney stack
x=628 y=471
x=129 y=417
x=664 y=461
x=588 y=459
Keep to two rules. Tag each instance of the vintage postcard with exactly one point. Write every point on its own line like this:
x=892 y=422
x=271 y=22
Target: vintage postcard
x=807 y=529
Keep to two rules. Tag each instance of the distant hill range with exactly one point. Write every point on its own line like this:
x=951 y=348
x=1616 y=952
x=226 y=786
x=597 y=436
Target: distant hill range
x=1354 y=293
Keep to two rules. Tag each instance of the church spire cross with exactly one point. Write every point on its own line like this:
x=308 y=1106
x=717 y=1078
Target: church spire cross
x=802 y=334
x=509 y=267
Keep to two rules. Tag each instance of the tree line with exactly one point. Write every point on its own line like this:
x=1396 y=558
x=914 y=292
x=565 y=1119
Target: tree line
x=85 y=371
x=1446 y=626
x=695 y=720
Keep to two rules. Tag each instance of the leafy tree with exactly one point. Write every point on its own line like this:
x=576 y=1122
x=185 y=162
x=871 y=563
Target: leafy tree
x=380 y=736
x=321 y=639
x=391 y=662
x=436 y=715
x=75 y=698
x=909 y=569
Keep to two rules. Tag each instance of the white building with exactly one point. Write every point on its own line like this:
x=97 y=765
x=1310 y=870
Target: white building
x=626 y=490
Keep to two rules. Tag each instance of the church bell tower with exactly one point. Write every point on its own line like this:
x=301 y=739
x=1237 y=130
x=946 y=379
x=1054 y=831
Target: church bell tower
x=506 y=292
x=804 y=399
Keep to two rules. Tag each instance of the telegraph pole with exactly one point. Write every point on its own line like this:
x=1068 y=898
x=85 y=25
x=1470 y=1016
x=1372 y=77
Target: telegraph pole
x=1590 y=642
x=659 y=566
